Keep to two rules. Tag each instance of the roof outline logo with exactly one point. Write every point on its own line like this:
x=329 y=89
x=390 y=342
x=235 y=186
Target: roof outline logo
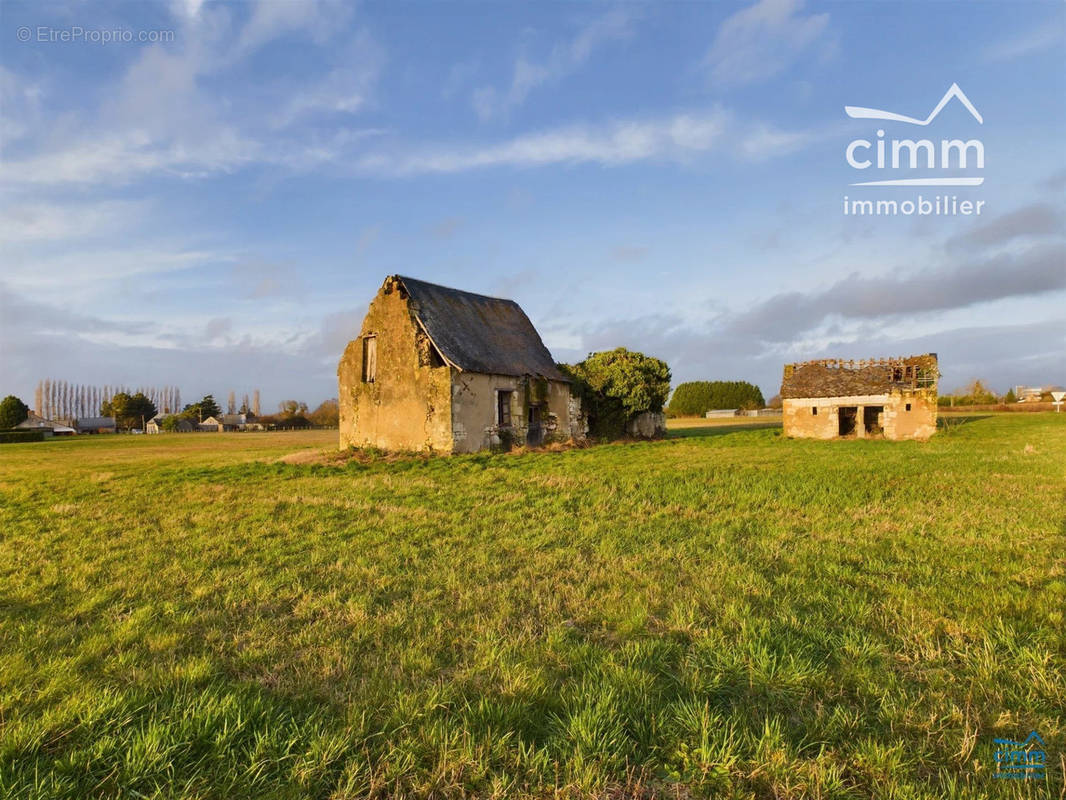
x=1030 y=738
x=1024 y=760
x=860 y=112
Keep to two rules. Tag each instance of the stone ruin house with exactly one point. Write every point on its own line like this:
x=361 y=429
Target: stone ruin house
x=893 y=398
x=442 y=370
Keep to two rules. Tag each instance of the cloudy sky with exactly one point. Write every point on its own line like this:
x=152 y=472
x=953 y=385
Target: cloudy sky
x=215 y=211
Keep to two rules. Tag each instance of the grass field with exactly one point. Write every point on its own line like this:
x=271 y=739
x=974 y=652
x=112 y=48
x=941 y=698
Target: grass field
x=724 y=614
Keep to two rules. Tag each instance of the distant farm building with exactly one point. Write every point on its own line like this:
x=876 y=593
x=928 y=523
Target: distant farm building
x=717 y=413
x=95 y=425
x=450 y=371
x=234 y=422
x=1029 y=394
x=893 y=398
x=34 y=422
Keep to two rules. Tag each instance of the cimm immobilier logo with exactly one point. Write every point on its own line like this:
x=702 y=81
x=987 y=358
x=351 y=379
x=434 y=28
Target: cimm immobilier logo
x=934 y=158
x=1026 y=760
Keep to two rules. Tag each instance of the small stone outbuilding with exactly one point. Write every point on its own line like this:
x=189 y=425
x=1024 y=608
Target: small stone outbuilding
x=442 y=370
x=892 y=398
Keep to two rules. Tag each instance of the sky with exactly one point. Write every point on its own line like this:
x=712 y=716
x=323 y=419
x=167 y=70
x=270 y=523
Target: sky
x=209 y=194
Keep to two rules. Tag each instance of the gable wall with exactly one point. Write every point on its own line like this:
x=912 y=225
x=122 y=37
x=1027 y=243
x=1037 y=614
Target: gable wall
x=408 y=406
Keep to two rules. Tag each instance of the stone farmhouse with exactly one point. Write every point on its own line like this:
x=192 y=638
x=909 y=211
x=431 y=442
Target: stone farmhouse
x=891 y=398
x=442 y=370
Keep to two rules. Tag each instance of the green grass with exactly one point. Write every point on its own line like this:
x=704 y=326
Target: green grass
x=729 y=615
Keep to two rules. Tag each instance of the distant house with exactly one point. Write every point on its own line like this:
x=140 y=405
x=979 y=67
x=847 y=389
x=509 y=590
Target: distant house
x=449 y=371
x=95 y=425
x=1028 y=394
x=894 y=398
x=50 y=427
x=210 y=425
x=234 y=422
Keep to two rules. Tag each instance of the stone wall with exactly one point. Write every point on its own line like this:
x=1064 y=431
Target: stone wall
x=474 y=410
x=904 y=415
x=648 y=425
x=408 y=406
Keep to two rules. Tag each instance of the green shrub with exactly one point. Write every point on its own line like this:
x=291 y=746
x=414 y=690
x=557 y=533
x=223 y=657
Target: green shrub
x=617 y=385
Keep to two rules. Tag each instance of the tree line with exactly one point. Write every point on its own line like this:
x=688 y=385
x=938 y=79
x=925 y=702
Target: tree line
x=60 y=400
x=696 y=398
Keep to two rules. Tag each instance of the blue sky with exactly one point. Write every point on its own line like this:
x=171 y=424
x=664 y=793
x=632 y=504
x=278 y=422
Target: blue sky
x=216 y=211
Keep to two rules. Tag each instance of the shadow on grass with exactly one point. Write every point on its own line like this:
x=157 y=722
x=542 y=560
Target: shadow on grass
x=719 y=430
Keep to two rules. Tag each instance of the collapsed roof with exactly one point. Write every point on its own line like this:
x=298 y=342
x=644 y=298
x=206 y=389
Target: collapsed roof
x=837 y=378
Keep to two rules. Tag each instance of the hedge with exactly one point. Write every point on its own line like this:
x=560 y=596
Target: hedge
x=12 y=437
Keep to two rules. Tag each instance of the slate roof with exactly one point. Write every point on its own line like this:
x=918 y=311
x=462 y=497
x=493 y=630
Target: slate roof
x=480 y=334
x=833 y=378
x=94 y=423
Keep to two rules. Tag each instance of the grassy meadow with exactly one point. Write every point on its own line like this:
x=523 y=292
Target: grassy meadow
x=727 y=613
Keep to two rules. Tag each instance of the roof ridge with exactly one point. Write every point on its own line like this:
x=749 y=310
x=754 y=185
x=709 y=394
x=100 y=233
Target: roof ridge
x=453 y=289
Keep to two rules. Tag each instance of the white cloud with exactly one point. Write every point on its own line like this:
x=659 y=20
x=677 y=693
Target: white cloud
x=1023 y=44
x=761 y=40
x=271 y=19
x=764 y=142
x=565 y=58
x=614 y=144
x=96 y=270
x=346 y=89
x=22 y=223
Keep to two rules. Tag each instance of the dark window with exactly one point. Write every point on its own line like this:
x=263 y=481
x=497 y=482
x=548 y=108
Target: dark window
x=814 y=411
x=503 y=409
x=897 y=374
x=908 y=406
x=370 y=358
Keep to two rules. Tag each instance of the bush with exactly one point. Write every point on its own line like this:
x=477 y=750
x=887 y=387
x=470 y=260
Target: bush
x=696 y=398
x=12 y=411
x=617 y=385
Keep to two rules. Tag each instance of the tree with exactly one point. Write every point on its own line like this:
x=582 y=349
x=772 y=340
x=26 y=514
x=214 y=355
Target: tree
x=327 y=415
x=617 y=385
x=1010 y=397
x=12 y=412
x=979 y=393
x=199 y=411
x=291 y=408
x=695 y=398
x=129 y=410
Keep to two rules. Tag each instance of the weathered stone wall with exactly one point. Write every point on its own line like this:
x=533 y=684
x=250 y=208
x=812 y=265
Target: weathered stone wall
x=648 y=425
x=408 y=406
x=801 y=422
x=897 y=421
x=917 y=423
x=474 y=417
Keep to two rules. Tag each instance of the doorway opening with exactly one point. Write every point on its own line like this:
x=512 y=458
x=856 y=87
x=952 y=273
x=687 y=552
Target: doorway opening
x=871 y=418
x=847 y=417
x=534 y=433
